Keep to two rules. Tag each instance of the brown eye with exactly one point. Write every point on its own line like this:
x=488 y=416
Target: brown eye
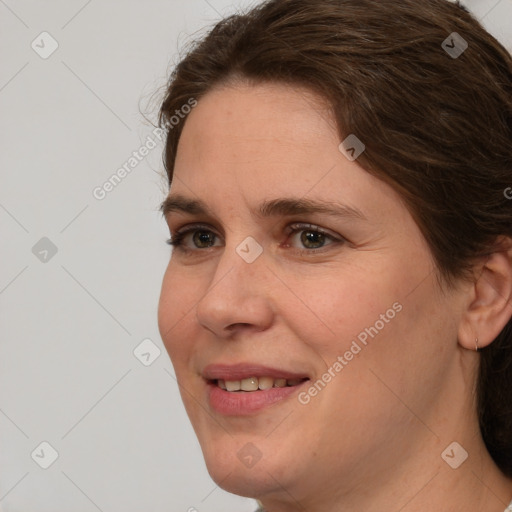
x=203 y=239
x=193 y=238
x=312 y=239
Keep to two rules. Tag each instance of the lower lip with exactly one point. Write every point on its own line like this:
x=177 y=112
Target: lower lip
x=240 y=403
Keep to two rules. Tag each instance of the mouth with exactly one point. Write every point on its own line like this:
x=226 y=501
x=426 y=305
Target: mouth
x=244 y=389
x=251 y=384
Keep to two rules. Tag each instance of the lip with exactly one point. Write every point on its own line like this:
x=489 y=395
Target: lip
x=245 y=370
x=241 y=403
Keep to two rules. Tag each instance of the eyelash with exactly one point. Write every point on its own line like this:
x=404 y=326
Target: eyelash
x=177 y=238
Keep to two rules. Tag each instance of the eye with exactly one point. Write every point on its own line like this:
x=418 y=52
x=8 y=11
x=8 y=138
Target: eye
x=311 y=237
x=194 y=237
x=302 y=237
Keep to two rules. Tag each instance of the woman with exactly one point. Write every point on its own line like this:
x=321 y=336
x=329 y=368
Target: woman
x=337 y=306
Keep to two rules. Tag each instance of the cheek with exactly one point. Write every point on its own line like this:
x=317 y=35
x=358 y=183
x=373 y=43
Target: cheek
x=382 y=330
x=395 y=346
x=330 y=310
x=175 y=309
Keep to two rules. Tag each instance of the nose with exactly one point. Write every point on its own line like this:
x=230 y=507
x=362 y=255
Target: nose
x=238 y=298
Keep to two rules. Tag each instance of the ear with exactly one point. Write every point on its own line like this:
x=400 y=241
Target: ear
x=489 y=306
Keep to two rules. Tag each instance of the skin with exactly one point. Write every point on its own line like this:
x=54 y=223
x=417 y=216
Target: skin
x=372 y=439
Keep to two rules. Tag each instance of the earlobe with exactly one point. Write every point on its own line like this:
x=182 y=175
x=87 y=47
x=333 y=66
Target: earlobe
x=490 y=305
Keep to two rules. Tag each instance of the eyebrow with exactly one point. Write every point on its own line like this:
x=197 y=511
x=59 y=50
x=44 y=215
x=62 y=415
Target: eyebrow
x=286 y=206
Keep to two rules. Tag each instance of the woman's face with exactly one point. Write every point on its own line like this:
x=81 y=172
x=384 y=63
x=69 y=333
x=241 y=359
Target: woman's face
x=305 y=276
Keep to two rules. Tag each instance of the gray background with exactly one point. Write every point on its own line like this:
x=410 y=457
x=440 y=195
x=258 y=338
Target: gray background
x=70 y=321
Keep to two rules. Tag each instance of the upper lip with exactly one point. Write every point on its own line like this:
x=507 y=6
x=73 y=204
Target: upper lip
x=246 y=370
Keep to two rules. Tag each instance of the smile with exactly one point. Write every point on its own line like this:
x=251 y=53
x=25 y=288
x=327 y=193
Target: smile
x=257 y=383
x=245 y=389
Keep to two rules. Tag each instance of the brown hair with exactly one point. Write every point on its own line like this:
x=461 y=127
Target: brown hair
x=437 y=127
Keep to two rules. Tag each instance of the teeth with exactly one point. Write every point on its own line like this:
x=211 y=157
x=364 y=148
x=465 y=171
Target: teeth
x=233 y=385
x=280 y=383
x=265 y=382
x=250 y=384
x=255 y=383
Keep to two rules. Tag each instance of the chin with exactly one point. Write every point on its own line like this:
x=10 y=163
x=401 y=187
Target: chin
x=249 y=468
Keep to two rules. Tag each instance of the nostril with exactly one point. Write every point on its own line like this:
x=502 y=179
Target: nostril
x=232 y=327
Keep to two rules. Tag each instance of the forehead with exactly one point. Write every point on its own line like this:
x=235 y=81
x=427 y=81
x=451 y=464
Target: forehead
x=259 y=133
x=258 y=117
x=246 y=144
